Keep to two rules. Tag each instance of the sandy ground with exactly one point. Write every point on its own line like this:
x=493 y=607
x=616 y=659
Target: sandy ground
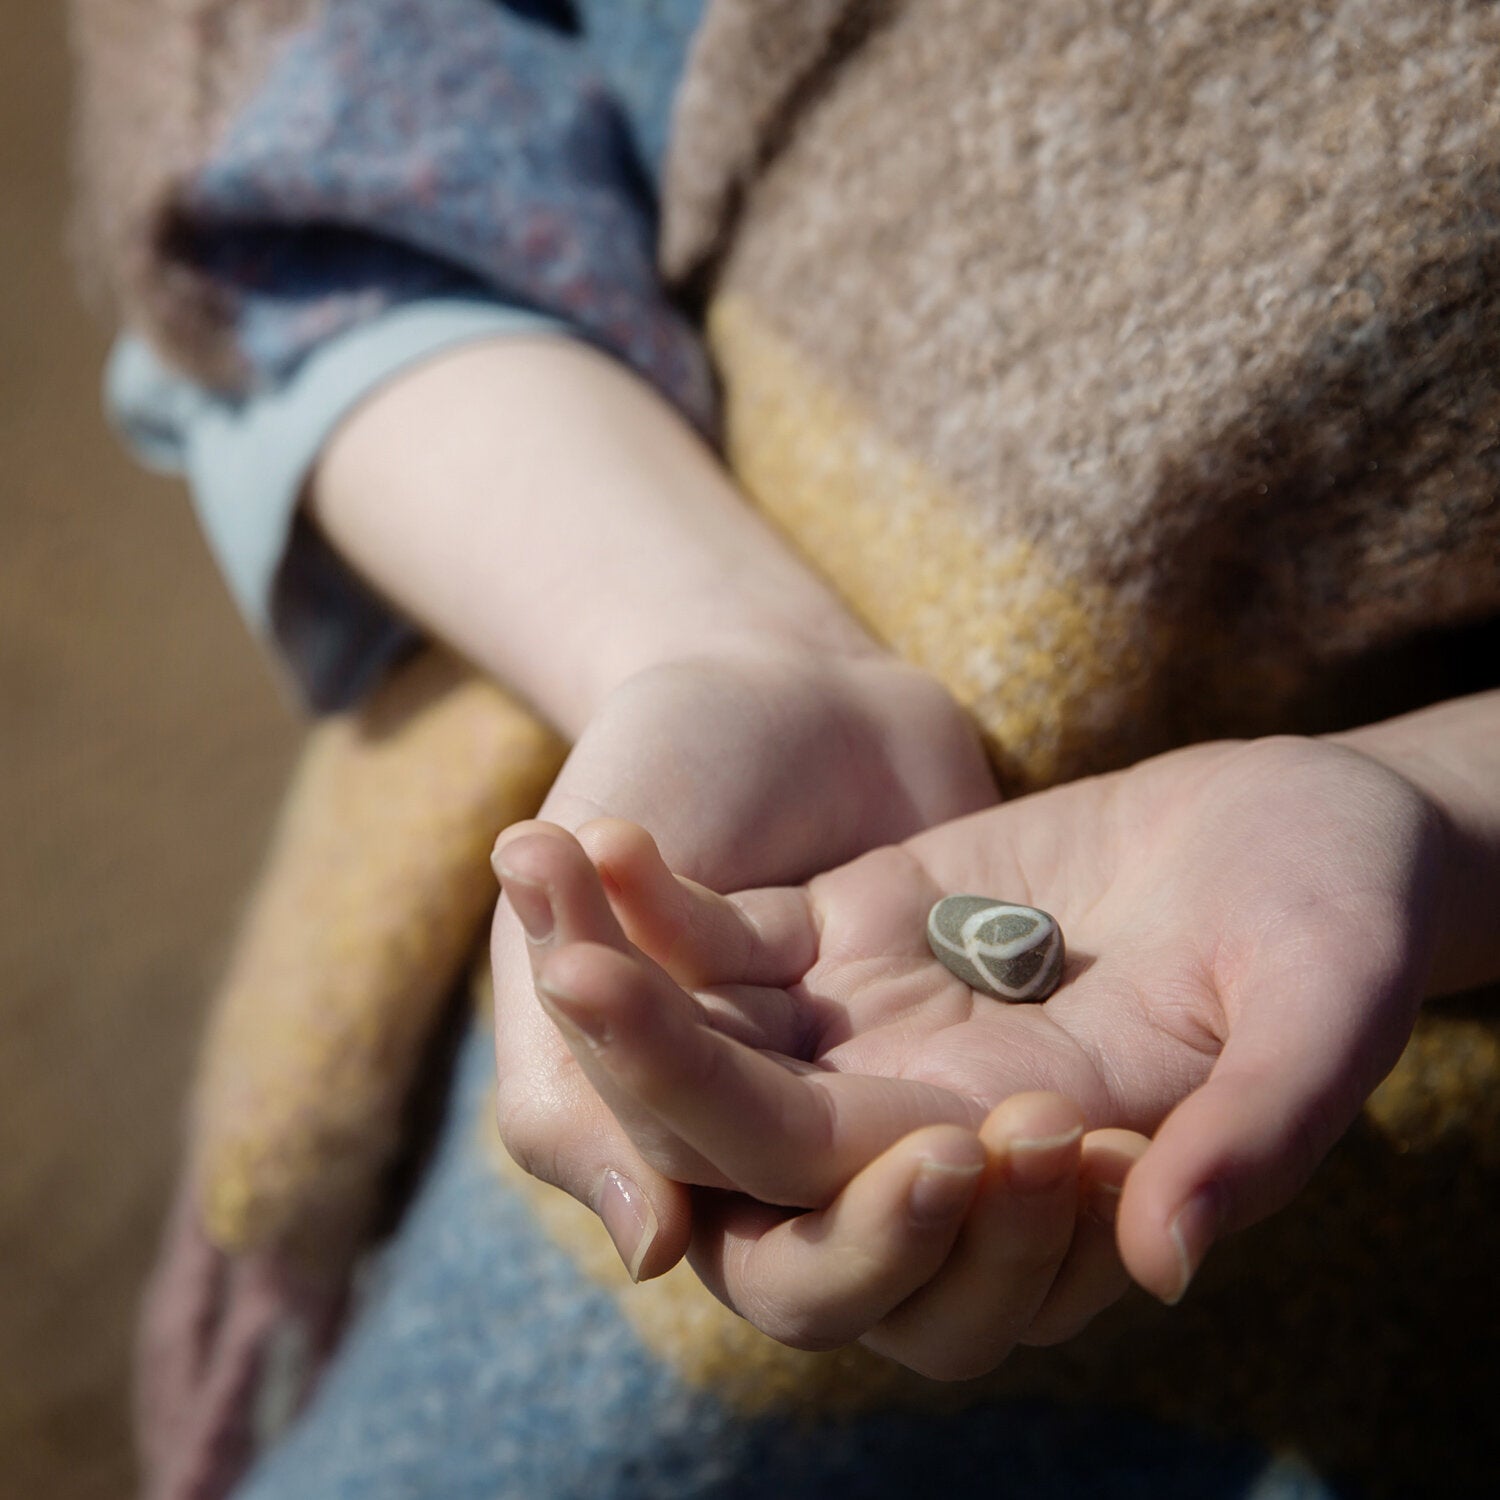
x=142 y=747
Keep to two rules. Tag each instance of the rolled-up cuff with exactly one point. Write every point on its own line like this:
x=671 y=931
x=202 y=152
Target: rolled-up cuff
x=247 y=462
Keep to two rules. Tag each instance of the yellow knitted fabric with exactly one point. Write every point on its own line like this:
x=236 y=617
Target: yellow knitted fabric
x=374 y=894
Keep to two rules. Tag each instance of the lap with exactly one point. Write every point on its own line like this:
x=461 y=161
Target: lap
x=485 y=1362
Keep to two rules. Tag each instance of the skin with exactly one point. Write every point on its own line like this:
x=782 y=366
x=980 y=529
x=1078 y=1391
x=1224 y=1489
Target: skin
x=1254 y=928
x=1253 y=975
x=698 y=751
x=535 y=506
x=712 y=679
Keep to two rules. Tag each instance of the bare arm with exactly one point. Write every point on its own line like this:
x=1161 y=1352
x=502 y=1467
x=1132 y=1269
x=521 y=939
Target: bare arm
x=545 y=512
x=540 y=508
x=1451 y=753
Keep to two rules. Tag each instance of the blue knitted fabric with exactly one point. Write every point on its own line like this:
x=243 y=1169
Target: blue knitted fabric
x=410 y=149
x=407 y=150
x=411 y=173
x=484 y=1365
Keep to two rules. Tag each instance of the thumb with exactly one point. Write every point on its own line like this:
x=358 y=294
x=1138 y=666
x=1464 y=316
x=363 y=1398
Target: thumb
x=1318 y=1027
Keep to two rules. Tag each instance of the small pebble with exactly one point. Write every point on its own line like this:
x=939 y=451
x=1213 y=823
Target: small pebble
x=1010 y=952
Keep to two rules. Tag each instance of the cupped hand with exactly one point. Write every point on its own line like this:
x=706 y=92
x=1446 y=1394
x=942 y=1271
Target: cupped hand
x=750 y=768
x=939 y=1234
x=1250 y=927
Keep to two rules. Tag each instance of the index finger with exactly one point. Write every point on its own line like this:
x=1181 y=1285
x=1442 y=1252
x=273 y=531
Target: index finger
x=780 y=1132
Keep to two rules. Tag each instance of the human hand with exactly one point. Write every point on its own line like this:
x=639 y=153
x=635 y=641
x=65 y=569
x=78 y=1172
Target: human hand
x=1251 y=927
x=213 y=1324
x=751 y=767
x=950 y=1246
x=564 y=530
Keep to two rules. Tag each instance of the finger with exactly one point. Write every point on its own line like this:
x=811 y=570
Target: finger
x=698 y=936
x=214 y=1435
x=782 y=1132
x=558 y=897
x=559 y=1131
x=531 y=857
x=973 y=1313
x=1322 y=1017
x=183 y=1307
x=739 y=955
x=1092 y=1276
x=554 y=1124
x=819 y=1280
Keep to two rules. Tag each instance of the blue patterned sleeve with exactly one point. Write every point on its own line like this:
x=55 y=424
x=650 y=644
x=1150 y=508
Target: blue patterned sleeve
x=246 y=461
x=410 y=174
x=434 y=148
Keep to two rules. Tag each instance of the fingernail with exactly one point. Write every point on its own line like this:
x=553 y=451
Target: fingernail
x=1103 y=1203
x=1193 y=1232
x=496 y=852
x=505 y=838
x=1040 y=1162
x=941 y=1191
x=628 y=1216
x=591 y=1026
x=530 y=904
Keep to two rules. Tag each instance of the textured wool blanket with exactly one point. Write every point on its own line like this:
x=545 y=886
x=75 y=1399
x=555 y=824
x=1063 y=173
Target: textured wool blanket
x=1131 y=366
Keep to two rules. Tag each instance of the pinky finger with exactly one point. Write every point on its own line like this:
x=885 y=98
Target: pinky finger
x=1092 y=1276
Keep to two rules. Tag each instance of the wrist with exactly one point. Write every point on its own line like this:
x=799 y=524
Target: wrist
x=540 y=508
x=772 y=762
x=737 y=635
x=1450 y=756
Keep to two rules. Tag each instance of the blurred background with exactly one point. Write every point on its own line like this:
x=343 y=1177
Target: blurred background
x=142 y=751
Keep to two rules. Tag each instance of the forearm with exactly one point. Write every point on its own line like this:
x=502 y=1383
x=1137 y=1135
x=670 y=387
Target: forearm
x=1451 y=753
x=546 y=512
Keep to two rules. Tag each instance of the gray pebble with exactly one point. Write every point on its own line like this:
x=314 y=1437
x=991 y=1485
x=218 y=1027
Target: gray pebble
x=1010 y=952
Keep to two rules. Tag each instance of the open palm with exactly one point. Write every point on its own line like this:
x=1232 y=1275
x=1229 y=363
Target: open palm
x=1249 y=927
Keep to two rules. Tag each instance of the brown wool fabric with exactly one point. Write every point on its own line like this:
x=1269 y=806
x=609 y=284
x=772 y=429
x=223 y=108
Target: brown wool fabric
x=741 y=110
x=157 y=80
x=1192 y=308
x=1130 y=364
x=1198 y=299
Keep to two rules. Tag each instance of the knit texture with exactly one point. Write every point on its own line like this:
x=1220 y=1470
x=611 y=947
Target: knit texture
x=158 y=80
x=375 y=893
x=1132 y=366
x=261 y=176
x=1178 y=322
